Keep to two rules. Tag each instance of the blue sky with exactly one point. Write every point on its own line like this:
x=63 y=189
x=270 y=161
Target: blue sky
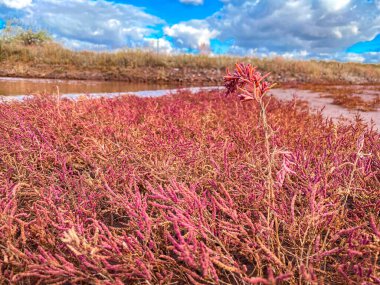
x=175 y=11
x=344 y=30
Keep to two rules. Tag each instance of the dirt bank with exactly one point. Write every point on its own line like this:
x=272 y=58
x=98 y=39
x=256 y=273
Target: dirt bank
x=193 y=76
x=161 y=75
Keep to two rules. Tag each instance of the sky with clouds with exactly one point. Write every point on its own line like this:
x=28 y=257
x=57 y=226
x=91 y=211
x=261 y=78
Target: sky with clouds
x=345 y=30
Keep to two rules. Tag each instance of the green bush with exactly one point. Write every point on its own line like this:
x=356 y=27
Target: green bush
x=29 y=37
x=16 y=34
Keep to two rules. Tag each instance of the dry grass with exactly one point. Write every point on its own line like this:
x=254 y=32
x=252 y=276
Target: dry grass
x=55 y=59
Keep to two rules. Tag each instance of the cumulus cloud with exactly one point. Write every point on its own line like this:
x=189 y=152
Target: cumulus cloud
x=297 y=29
x=283 y=26
x=366 y=57
x=16 y=4
x=192 y=2
x=265 y=53
x=84 y=24
x=191 y=34
x=161 y=45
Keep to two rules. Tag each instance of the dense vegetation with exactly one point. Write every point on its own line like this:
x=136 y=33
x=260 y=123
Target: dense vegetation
x=186 y=188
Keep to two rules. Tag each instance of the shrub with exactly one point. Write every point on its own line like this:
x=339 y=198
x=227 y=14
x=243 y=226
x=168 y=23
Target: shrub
x=29 y=37
x=16 y=34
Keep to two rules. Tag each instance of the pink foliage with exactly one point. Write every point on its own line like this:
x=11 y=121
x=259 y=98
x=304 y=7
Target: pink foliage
x=171 y=190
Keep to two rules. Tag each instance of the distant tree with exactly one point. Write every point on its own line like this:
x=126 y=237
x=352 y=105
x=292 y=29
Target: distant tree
x=30 y=37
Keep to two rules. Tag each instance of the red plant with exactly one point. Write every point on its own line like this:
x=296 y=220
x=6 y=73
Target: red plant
x=174 y=190
x=251 y=85
x=247 y=82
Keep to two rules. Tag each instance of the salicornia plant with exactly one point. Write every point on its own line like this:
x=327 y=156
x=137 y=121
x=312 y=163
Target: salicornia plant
x=174 y=190
x=250 y=85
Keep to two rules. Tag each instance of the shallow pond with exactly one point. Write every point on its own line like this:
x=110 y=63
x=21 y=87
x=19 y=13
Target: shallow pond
x=24 y=86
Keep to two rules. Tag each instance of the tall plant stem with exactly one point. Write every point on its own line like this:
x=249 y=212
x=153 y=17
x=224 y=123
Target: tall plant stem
x=268 y=154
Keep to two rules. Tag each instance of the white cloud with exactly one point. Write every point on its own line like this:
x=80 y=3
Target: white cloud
x=368 y=57
x=191 y=34
x=192 y=2
x=302 y=54
x=353 y=57
x=297 y=29
x=84 y=24
x=335 y=5
x=81 y=45
x=282 y=26
x=265 y=53
x=161 y=45
x=16 y=4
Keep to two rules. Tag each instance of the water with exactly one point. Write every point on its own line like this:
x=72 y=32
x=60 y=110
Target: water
x=22 y=86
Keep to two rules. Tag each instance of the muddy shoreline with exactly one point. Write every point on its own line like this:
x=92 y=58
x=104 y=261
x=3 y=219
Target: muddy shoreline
x=181 y=76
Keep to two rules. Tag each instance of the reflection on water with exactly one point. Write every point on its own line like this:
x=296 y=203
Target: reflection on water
x=22 y=86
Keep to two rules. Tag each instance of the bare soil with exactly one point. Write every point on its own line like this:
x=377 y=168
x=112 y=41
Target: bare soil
x=155 y=75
